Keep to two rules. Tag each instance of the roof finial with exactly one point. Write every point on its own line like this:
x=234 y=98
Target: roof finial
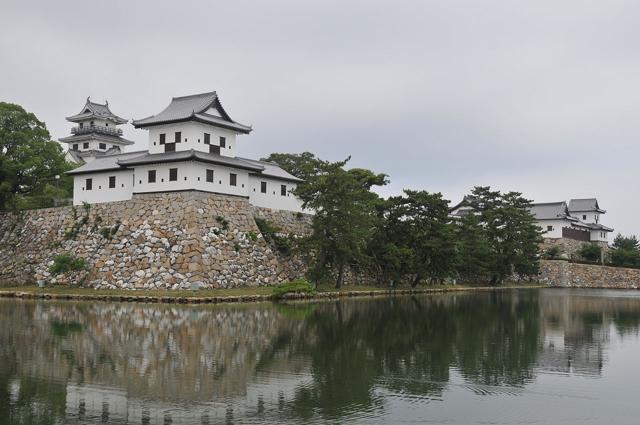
x=106 y=102
x=88 y=99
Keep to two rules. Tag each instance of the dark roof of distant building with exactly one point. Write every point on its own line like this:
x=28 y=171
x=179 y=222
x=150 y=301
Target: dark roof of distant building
x=96 y=110
x=551 y=211
x=96 y=136
x=195 y=107
x=271 y=169
x=585 y=205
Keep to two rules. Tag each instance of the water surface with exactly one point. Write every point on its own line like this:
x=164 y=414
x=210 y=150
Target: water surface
x=526 y=356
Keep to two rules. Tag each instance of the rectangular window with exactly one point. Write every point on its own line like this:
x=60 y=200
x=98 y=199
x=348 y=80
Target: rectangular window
x=283 y=189
x=112 y=182
x=584 y=216
x=173 y=174
x=81 y=125
x=263 y=187
x=85 y=145
x=207 y=139
x=210 y=176
x=75 y=146
x=163 y=138
x=151 y=176
x=223 y=142
x=102 y=146
x=549 y=228
x=177 y=137
x=88 y=184
x=233 y=179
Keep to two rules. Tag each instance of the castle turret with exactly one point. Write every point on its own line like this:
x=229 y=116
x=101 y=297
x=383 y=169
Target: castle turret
x=96 y=133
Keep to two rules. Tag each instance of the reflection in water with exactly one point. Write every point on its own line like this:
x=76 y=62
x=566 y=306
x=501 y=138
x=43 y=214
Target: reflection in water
x=353 y=360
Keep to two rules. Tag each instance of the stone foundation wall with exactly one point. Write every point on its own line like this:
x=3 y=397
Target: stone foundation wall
x=167 y=241
x=570 y=247
x=561 y=273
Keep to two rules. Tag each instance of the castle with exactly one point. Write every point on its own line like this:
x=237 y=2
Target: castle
x=192 y=146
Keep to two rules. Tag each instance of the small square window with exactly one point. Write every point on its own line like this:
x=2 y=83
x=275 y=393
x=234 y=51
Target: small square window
x=263 y=187
x=207 y=139
x=112 y=182
x=584 y=216
x=283 y=189
x=210 y=176
x=75 y=146
x=173 y=174
x=85 y=145
x=151 y=176
x=88 y=183
x=233 y=179
x=223 y=142
x=549 y=228
x=178 y=136
x=163 y=138
x=102 y=146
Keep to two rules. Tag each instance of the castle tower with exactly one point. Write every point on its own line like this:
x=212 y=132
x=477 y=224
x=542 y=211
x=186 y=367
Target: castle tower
x=96 y=133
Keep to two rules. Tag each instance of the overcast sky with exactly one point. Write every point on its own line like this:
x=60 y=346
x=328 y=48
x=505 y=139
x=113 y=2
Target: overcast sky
x=539 y=96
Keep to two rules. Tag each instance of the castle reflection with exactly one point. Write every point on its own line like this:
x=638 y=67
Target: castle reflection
x=63 y=362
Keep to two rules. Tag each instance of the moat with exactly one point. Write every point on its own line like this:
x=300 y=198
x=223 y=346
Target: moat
x=551 y=356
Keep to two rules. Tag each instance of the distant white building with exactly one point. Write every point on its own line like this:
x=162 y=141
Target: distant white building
x=192 y=146
x=578 y=220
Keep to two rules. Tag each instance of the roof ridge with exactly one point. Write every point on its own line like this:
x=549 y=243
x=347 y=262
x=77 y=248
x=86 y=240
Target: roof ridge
x=195 y=95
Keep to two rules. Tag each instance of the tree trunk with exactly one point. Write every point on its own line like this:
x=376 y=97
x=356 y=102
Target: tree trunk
x=340 y=277
x=415 y=281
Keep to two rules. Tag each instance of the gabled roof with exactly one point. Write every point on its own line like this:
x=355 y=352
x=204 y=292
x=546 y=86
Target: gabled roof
x=96 y=110
x=551 y=211
x=271 y=169
x=190 y=155
x=194 y=108
x=585 y=205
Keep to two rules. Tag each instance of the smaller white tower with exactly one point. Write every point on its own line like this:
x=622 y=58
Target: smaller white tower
x=96 y=133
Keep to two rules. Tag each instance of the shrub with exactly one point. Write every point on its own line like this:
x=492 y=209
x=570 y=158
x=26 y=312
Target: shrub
x=223 y=222
x=66 y=262
x=298 y=286
x=552 y=253
x=590 y=252
x=252 y=236
x=270 y=234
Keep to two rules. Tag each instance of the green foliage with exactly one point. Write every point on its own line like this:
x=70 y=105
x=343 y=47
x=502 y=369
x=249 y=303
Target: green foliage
x=109 y=232
x=252 y=236
x=344 y=219
x=552 y=253
x=66 y=262
x=236 y=247
x=625 y=251
x=590 y=252
x=299 y=286
x=512 y=235
x=87 y=207
x=414 y=239
x=29 y=162
x=473 y=252
x=223 y=222
x=271 y=234
x=304 y=165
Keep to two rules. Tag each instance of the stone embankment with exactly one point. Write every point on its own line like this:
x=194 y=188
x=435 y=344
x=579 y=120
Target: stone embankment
x=153 y=241
x=561 y=273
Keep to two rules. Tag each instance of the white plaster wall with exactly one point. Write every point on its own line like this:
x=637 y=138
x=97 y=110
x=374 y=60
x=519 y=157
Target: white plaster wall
x=591 y=217
x=192 y=137
x=273 y=199
x=188 y=174
x=101 y=191
x=599 y=236
x=557 y=227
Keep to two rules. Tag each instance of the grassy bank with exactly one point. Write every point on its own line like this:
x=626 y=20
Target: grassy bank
x=244 y=294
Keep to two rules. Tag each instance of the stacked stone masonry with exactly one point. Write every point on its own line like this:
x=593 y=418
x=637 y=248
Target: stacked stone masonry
x=153 y=241
x=566 y=274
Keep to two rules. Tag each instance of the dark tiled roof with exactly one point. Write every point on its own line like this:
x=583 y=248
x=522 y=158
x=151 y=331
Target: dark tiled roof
x=272 y=169
x=191 y=155
x=584 y=205
x=106 y=163
x=551 y=211
x=96 y=110
x=194 y=108
x=96 y=136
